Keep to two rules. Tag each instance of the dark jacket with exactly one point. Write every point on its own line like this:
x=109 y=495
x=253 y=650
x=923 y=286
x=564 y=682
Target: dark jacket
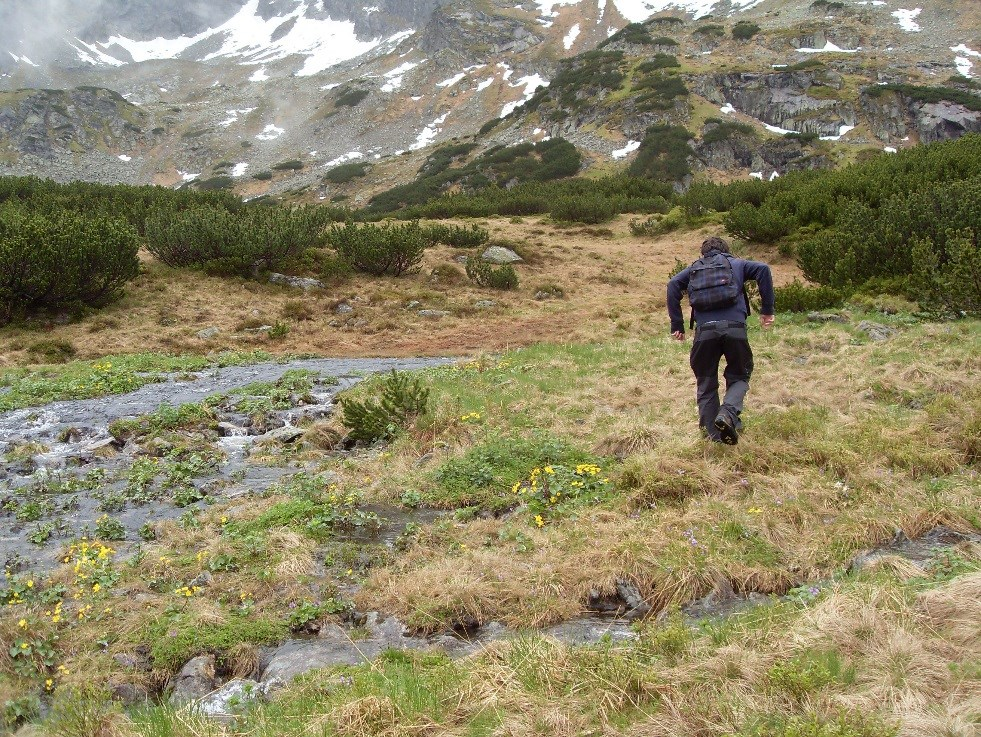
x=743 y=271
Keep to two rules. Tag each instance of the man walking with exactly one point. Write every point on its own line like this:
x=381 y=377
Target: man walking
x=716 y=291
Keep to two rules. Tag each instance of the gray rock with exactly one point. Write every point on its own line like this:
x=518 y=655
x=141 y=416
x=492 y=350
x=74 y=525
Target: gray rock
x=195 y=680
x=298 y=282
x=543 y=295
x=208 y=333
x=202 y=579
x=130 y=694
x=825 y=317
x=343 y=309
x=229 y=700
x=286 y=434
x=500 y=255
x=876 y=331
x=433 y=313
x=637 y=605
x=413 y=304
x=485 y=304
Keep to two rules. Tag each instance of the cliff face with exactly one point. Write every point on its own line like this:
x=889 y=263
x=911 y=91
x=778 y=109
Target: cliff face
x=232 y=88
x=44 y=123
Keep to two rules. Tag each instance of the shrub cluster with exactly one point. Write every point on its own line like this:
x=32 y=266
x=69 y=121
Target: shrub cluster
x=663 y=154
x=744 y=30
x=347 y=172
x=799 y=297
x=929 y=94
x=252 y=239
x=380 y=250
x=458 y=236
x=62 y=259
x=483 y=274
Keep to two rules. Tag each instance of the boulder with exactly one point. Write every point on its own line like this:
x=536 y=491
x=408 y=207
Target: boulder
x=343 y=309
x=208 y=333
x=433 y=313
x=195 y=680
x=485 y=304
x=297 y=282
x=284 y=435
x=876 y=331
x=500 y=255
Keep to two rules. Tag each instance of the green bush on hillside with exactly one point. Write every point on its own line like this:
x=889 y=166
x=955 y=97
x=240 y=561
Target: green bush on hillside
x=371 y=420
x=254 y=239
x=591 y=210
x=744 y=30
x=347 y=172
x=799 y=297
x=62 y=259
x=663 y=154
x=380 y=250
x=483 y=274
x=929 y=94
x=458 y=236
x=658 y=61
x=758 y=224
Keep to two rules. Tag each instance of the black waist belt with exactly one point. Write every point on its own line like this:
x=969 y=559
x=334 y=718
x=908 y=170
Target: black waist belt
x=721 y=324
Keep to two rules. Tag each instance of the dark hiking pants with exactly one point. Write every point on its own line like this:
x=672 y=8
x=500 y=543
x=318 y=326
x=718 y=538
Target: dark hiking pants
x=714 y=340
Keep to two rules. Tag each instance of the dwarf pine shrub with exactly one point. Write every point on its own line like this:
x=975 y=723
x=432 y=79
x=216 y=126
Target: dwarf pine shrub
x=401 y=401
x=483 y=274
x=799 y=297
x=253 y=239
x=458 y=236
x=61 y=259
x=380 y=250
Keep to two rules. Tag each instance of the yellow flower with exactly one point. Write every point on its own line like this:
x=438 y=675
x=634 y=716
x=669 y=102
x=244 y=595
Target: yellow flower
x=549 y=470
x=96 y=587
x=224 y=520
x=539 y=521
x=30 y=584
x=755 y=510
x=49 y=684
x=22 y=624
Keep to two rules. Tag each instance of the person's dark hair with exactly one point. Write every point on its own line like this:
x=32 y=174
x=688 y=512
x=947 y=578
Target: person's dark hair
x=715 y=243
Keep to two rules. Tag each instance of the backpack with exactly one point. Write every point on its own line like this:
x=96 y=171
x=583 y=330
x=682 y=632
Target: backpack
x=711 y=283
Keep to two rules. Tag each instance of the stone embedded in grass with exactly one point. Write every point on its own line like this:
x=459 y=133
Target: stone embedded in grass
x=876 y=331
x=195 y=680
x=208 y=333
x=297 y=282
x=825 y=317
x=433 y=313
x=500 y=256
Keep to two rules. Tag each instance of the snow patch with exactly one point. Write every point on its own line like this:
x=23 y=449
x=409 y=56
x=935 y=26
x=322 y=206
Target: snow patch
x=841 y=132
x=889 y=149
x=963 y=61
x=452 y=80
x=727 y=109
x=252 y=38
x=260 y=75
x=239 y=169
x=233 y=116
x=187 y=176
x=905 y=19
x=622 y=153
x=774 y=175
x=570 y=37
x=531 y=83
x=271 y=133
x=124 y=157
x=344 y=158
x=395 y=76
x=830 y=47
x=776 y=129
x=756 y=175
x=485 y=84
x=429 y=133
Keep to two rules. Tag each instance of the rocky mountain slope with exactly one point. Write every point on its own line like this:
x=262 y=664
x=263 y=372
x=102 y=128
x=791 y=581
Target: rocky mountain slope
x=266 y=96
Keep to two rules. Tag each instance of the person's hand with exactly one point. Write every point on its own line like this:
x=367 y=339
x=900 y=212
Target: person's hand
x=766 y=320
x=680 y=335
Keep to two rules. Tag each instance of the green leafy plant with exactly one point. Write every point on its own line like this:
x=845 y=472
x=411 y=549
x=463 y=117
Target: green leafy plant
x=402 y=400
x=392 y=250
x=484 y=274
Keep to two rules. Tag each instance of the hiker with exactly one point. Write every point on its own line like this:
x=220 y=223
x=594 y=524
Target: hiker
x=716 y=291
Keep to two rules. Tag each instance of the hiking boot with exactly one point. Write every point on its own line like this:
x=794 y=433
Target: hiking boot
x=727 y=428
